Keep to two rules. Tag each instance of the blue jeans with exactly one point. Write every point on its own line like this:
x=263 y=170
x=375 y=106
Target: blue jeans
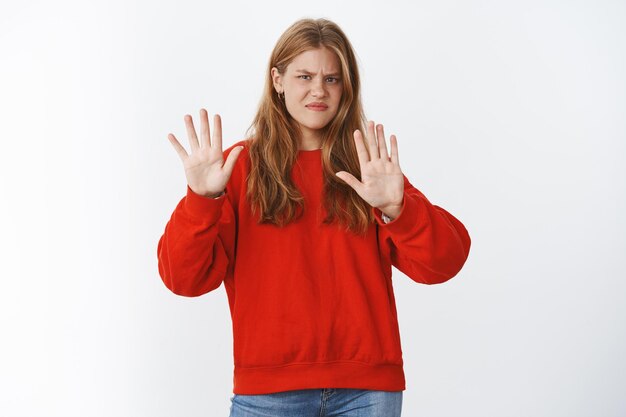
x=327 y=402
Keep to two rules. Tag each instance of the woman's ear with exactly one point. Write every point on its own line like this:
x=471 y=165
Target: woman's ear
x=277 y=80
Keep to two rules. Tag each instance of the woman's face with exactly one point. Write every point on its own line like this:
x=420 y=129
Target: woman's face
x=313 y=77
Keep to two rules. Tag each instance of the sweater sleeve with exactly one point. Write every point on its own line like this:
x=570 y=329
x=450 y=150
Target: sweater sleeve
x=197 y=245
x=425 y=242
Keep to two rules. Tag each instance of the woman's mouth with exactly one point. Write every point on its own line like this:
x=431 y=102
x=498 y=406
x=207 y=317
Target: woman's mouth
x=317 y=107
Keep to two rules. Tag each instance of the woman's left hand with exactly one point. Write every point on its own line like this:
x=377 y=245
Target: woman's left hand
x=382 y=181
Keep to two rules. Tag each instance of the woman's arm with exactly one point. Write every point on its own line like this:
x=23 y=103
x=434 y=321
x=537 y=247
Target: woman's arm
x=198 y=244
x=426 y=243
x=199 y=239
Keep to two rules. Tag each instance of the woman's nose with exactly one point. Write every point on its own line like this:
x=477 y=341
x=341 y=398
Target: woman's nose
x=317 y=89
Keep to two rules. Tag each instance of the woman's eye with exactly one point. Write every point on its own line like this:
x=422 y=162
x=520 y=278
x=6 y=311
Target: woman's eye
x=334 y=80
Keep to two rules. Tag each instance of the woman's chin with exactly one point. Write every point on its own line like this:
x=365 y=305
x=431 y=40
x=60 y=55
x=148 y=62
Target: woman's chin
x=316 y=126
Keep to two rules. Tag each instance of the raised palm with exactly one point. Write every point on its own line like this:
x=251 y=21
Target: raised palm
x=382 y=181
x=207 y=173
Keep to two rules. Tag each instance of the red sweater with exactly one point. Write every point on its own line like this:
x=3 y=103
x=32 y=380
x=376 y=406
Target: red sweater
x=312 y=306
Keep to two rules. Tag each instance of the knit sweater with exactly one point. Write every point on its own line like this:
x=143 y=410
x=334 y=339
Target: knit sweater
x=312 y=305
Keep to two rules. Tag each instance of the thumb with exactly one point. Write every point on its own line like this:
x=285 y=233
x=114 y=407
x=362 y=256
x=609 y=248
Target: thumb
x=232 y=158
x=350 y=180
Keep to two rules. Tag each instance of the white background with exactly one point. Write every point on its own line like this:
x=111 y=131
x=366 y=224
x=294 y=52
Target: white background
x=509 y=114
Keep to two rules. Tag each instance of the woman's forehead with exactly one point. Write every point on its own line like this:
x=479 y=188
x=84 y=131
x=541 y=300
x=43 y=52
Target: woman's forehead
x=315 y=60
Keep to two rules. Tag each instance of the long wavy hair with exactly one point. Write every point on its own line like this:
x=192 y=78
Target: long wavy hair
x=274 y=136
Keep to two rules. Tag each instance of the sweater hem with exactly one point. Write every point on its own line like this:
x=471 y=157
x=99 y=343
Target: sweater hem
x=354 y=375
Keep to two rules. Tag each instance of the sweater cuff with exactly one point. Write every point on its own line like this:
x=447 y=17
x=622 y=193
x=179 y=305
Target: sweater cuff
x=205 y=208
x=407 y=218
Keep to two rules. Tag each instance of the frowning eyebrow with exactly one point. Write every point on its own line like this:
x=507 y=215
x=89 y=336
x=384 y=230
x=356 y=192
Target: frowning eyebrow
x=334 y=74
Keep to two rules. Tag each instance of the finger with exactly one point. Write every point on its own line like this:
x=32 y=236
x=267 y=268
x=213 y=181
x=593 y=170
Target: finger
x=394 y=150
x=371 y=140
x=191 y=133
x=382 y=143
x=205 y=130
x=217 y=135
x=232 y=158
x=178 y=147
x=360 y=148
x=350 y=180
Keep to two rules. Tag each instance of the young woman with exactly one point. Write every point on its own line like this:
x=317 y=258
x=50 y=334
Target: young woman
x=302 y=222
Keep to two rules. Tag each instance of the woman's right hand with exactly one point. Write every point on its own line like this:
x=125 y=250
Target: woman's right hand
x=205 y=169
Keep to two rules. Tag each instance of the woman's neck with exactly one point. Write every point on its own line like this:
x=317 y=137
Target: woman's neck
x=310 y=140
x=310 y=145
